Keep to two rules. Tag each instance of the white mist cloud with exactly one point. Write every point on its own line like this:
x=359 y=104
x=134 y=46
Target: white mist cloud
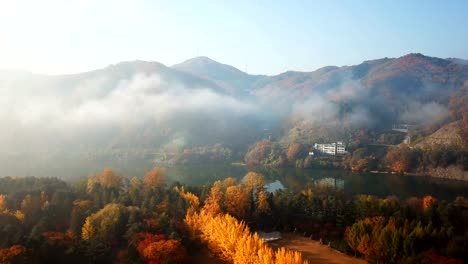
x=137 y=99
x=42 y=115
x=316 y=109
x=360 y=116
x=349 y=90
x=420 y=113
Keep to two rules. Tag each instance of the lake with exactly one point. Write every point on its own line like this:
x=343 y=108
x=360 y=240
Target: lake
x=381 y=185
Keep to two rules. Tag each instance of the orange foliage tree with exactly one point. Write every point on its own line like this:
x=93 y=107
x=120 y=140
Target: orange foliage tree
x=165 y=251
x=293 y=152
x=108 y=178
x=228 y=182
x=154 y=178
x=254 y=181
x=262 y=202
x=399 y=159
x=237 y=201
x=59 y=238
x=3 y=203
x=362 y=236
x=258 y=152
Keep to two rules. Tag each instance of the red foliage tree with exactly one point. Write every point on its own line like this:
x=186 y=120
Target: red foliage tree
x=428 y=201
x=154 y=248
x=8 y=255
x=438 y=259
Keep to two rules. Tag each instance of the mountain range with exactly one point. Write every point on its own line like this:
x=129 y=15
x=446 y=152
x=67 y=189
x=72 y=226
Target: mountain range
x=201 y=102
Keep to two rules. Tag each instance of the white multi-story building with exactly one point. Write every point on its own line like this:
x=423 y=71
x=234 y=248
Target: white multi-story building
x=337 y=148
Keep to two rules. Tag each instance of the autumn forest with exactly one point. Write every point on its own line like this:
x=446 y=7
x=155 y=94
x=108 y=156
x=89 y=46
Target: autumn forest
x=109 y=218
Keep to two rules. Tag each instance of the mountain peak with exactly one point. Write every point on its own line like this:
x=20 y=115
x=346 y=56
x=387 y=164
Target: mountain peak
x=198 y=61
x=137 y=63
x=224 y=75
x=415 y=55
x=413 y=59
x=204 y=64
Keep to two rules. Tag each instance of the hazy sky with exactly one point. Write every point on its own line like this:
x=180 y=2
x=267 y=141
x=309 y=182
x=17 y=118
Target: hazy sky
x=266 y=37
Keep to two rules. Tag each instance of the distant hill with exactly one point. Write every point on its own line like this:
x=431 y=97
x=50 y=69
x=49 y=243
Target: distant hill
x=413 y=75
x=112 y=74
x=228 y=77
x=459 y=61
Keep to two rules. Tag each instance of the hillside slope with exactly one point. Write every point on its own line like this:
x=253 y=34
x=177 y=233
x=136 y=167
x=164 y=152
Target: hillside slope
x=446 y=135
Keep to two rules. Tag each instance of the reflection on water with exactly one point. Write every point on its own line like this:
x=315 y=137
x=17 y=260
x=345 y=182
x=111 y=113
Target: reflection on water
x=334 y=183
x=381 y=185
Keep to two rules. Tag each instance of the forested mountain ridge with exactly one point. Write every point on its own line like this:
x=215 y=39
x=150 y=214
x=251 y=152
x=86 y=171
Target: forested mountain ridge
x=409 y=74
x=388 y=89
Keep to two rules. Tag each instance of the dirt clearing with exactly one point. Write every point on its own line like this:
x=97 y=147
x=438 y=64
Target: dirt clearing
x=313 y=250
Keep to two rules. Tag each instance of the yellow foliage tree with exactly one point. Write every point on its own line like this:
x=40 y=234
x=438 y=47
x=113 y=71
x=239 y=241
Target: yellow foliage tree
x=30 y=207
x=135 y=183
x=189 y=197
x=106 y=224
x=44 y=200
x=232 y=241
x=19 y=215
x=87 y=232
x=213 y=202
x=284 y=256
x=90 y=184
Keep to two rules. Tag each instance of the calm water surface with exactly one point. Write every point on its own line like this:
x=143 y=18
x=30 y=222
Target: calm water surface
x=381 y=185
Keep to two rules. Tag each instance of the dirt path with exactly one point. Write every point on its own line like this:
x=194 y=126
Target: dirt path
x=313 y=251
